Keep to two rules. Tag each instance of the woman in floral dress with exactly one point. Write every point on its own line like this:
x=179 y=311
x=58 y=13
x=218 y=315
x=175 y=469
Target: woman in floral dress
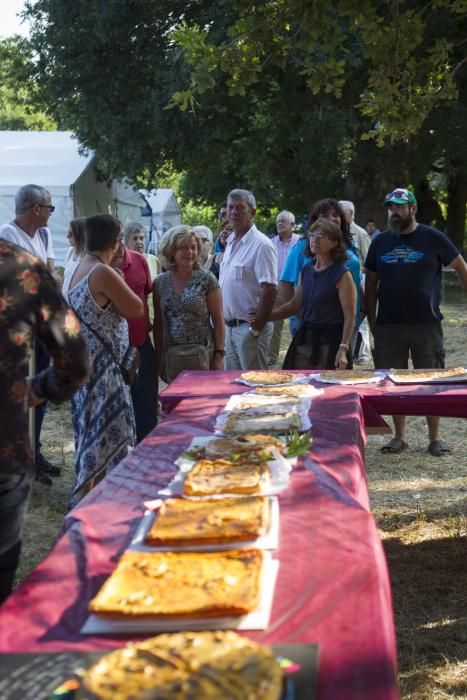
x=103 y=420
x=187 y=299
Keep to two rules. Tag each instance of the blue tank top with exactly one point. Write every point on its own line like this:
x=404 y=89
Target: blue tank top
x=320 y=298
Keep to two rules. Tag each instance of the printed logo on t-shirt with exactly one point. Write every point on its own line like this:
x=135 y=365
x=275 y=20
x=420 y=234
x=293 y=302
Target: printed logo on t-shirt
x=402 y=254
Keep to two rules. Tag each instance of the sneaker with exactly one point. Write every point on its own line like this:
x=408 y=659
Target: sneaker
x=42 y=478
x=43 y=465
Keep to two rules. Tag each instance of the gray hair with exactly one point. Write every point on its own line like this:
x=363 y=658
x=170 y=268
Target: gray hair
x=131 y=228
x=246 y=195
x=347 y=205
x=204 y=232
x=175 y=238
x=29 y=195
x=287 y=214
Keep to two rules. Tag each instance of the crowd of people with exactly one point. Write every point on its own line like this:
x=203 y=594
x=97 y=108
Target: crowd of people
x=120 y=319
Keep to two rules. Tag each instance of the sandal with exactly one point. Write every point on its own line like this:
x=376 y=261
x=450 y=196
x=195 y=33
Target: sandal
x=394 y=446
x=438 y=448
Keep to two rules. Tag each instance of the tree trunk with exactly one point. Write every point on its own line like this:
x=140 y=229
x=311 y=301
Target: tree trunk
x=457 y=198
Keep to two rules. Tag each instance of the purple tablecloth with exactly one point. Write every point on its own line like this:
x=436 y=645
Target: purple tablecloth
x=332 y=588
x=385 y=398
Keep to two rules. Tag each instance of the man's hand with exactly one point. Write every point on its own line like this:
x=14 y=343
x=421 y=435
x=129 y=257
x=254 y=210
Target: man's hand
x=30 y=398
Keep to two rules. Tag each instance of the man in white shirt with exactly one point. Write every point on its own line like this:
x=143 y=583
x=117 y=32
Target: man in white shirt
x=361 y=240
x=283 y=242
x=248 y=280
x=28 y=230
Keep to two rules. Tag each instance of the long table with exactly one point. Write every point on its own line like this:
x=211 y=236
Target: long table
x=386 y=398
x=332 y=588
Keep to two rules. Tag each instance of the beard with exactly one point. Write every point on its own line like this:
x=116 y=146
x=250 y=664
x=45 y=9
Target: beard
x=399 y=222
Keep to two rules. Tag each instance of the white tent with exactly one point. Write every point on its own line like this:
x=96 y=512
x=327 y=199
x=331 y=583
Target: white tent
x=163 y=210
x=52 y=159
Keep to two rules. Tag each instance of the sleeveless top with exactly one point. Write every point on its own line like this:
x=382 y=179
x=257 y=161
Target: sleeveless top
x=320 y=298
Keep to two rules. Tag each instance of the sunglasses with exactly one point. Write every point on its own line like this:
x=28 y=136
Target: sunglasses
x=50 y=207
x=398 y=194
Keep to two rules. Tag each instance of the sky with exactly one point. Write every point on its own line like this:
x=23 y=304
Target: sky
x=9 y=22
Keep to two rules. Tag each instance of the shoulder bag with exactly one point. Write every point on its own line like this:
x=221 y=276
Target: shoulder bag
x=131 y=363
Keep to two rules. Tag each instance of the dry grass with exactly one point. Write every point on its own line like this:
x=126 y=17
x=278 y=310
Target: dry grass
x=419 y=503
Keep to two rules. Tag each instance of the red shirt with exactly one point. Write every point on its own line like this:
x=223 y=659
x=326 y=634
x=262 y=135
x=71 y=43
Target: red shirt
x=137 y=276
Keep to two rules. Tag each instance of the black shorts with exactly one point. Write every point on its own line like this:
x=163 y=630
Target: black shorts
x=394 y=343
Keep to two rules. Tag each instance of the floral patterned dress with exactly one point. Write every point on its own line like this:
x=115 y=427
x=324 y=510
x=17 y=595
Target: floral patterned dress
x=186 y=314
x=102 y=412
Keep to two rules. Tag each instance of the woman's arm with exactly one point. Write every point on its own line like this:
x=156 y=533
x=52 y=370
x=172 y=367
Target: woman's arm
x=158 y=328
x=291 y=307
x=348 y=299
x=105 y=281
x=214 y=301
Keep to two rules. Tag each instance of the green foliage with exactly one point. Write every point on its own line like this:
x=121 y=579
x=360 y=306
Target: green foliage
x=407 y=72
x=294 y=100
x=18 y=93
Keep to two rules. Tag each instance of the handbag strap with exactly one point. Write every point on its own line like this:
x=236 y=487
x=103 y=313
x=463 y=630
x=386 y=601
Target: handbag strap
x=96 y=334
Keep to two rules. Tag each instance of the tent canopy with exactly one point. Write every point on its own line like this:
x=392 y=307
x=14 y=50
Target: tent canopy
x=53 y=160
x=48 y=158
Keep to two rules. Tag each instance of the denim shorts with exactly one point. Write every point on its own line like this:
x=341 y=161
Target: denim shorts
x=423 y=342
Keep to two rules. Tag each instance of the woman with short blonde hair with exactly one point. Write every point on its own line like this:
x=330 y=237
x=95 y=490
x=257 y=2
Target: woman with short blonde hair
x=189 y=322
x=174 y=239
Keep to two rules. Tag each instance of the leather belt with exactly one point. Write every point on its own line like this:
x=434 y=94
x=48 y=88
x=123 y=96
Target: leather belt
x=235 y=322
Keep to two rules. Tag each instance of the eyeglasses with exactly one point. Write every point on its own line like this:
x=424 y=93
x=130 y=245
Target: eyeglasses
x=319 y=236
x=50 y=207
x=398 y=194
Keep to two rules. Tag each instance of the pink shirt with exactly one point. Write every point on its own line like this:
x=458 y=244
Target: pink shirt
x=282 y=248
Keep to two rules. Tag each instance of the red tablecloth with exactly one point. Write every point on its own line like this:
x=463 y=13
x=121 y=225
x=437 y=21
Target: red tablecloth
x=332 y=588
x=385 y=398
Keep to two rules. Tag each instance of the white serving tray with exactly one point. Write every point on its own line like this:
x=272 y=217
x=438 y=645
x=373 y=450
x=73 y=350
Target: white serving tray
x=256 y=620
x=459 y=379
x=374 y=378
x=221 y=420
x=185 y=463
x=279 y=468
x=266 y=404
x=270 y=540
x=298 y=379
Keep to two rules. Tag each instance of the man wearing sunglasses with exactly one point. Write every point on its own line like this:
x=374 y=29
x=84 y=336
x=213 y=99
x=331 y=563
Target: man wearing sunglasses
x=28 y=230
x=404 y=266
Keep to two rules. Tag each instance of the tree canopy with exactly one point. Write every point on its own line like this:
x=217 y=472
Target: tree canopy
x=296 y=100
x=18 y=93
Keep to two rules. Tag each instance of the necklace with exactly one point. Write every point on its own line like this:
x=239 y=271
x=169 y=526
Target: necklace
x=94 y=255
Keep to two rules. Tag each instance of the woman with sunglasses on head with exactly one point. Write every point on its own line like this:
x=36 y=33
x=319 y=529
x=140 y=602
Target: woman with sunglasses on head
x=323 y=209
x=326 y=299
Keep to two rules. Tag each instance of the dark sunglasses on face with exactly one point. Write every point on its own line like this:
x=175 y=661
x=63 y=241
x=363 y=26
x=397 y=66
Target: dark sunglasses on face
x=50 y=207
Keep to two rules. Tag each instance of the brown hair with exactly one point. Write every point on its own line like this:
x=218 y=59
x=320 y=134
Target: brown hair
x=78 y=229
x=102 y=231
x=332 y=231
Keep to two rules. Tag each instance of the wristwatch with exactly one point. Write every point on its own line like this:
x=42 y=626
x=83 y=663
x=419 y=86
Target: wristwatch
x=254 y=333
x=218 y=351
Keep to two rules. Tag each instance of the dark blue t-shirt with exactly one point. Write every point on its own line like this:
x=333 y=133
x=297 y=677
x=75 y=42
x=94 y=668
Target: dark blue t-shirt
x=409 y=270
x=320 y=298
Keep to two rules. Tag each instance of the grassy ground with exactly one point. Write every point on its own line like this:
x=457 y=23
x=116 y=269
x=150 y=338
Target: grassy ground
x=419 y=503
